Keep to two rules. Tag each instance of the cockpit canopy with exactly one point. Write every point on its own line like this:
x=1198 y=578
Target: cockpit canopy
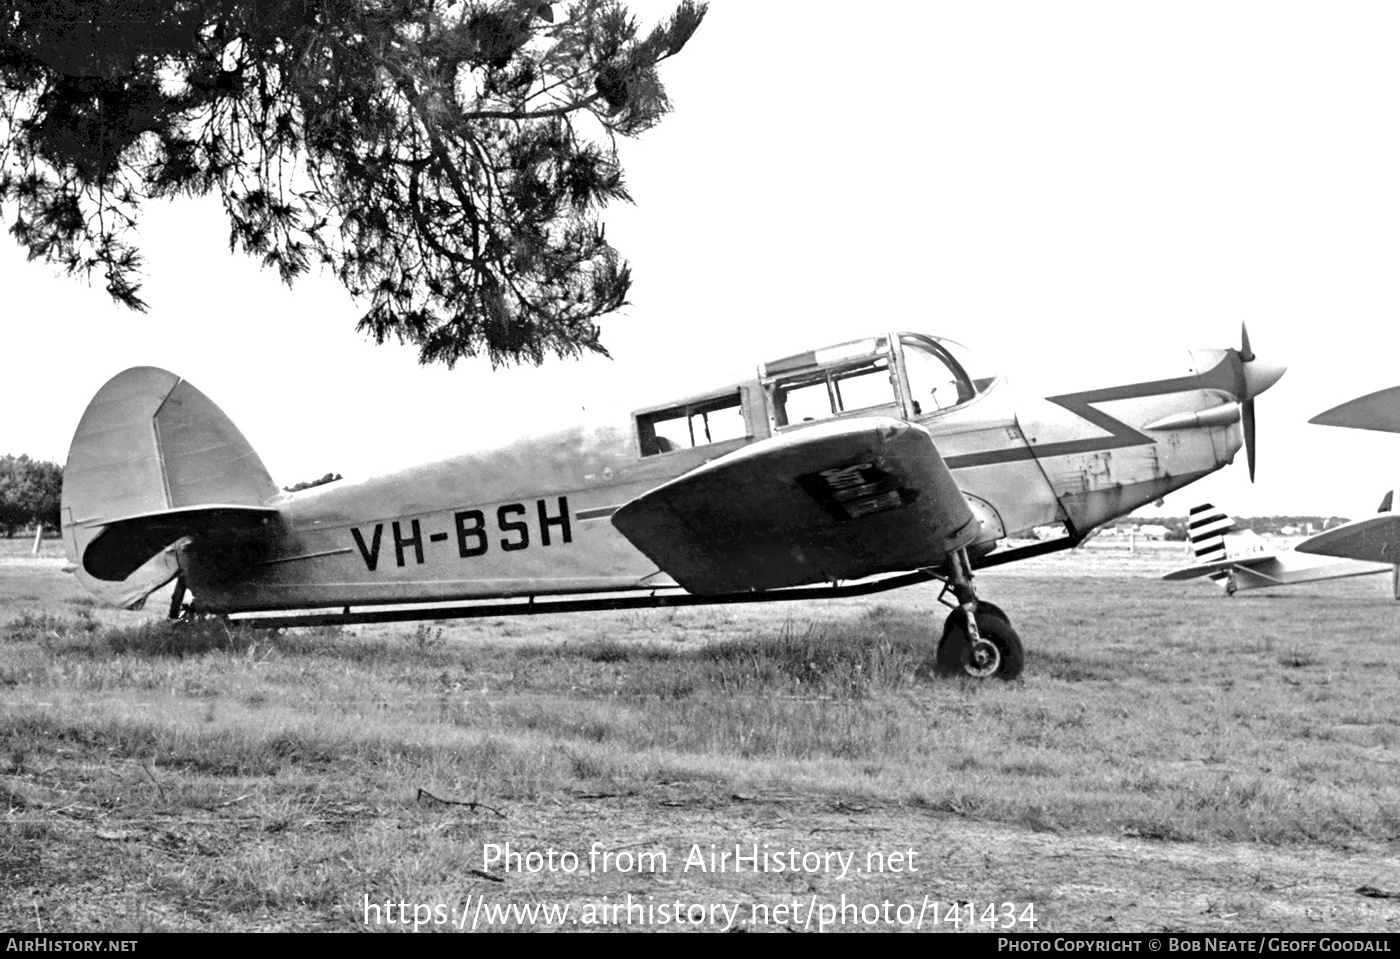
x=903 y=375
x=923 y=375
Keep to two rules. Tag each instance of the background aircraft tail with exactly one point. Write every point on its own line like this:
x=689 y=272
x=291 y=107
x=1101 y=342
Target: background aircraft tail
x=1206 y=526
x=153 y=461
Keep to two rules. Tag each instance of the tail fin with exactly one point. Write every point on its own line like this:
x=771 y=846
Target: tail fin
x=1206 y=526
x=153 y=460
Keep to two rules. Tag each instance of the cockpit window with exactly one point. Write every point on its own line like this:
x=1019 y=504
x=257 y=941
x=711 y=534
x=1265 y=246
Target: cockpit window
x=937 y=381
x=700 y=423
x=821 y=394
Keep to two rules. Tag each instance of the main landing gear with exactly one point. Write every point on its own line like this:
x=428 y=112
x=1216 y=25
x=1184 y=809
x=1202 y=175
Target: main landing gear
x=978 y=639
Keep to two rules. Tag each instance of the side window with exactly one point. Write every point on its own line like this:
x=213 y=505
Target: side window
x=802 y=400
x=863 y=388
x=719 y=423
x=935 y=382
x=664 y=432
x=693 y=424
x=808 y=397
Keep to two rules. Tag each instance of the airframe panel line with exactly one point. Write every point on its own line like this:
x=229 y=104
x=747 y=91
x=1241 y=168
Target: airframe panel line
x=602 y=512
x=293 y=559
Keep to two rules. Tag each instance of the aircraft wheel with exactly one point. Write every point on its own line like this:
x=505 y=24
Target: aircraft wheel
x=986 y=608
x=997 y=653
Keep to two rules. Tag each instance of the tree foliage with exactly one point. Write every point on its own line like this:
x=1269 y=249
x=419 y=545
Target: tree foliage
x=30 y=492
x=446 y=160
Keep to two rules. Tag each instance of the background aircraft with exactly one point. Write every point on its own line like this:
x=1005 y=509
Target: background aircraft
x=1236 y=558
x=872 y=464
x=1376 y=538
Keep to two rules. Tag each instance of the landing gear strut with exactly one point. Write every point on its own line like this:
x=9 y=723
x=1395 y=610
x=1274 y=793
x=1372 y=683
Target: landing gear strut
x=978 y=640
x=177 y=599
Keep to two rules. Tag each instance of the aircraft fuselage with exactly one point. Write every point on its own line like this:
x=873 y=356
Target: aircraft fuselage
x=533 y=518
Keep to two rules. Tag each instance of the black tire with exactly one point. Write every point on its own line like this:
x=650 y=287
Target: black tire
x=986 y=608
x=952 y=648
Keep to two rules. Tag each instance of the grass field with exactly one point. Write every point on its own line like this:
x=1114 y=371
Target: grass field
x=1173 y=759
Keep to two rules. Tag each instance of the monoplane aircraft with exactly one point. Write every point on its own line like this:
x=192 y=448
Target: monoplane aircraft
x=861 y=467
x=1377 y=538
x=1236 y=558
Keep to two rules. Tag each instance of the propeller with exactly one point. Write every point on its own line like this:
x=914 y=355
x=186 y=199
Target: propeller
x=1247 y=408
x=1254 y=378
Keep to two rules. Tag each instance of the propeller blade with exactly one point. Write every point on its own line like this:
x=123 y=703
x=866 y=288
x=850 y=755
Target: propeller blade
x=1254 y=377
x=1248 y=422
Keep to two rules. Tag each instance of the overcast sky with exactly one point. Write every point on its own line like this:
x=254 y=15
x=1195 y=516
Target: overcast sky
x=1069 y=188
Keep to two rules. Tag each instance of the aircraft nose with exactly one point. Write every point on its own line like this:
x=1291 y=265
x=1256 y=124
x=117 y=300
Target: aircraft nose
x=1259 y=376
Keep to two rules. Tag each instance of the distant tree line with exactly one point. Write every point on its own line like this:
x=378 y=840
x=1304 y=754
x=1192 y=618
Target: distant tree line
x=30 y=493
x=1277 y=524
x=1263 y=525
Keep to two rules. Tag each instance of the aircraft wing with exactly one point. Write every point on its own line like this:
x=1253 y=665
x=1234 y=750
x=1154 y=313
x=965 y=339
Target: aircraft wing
x=1374 y=411
x=837 y=501
x=1256 y=563
x=1376 y=539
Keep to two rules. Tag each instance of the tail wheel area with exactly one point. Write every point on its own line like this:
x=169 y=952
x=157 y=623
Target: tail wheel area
x=997 y=651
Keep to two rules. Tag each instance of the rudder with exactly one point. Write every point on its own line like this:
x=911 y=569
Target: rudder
x=1206 y=527
x=150 y=443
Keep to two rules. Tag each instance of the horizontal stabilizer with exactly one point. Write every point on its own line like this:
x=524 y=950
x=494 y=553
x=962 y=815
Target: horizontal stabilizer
x=1249 y=577
x=124 y=545
x=1374 y=411
x=837 y=501
x=1221 y=566
x=1376 y=540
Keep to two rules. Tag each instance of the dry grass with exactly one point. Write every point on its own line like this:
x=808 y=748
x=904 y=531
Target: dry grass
x=247 y=780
